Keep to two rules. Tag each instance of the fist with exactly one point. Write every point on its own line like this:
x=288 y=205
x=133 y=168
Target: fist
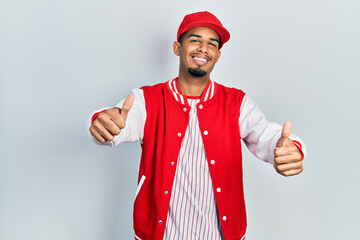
x=288 y=158
x=109 y=123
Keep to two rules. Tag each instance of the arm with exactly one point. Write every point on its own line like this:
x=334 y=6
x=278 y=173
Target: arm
x=123 y=123
x=262 y=136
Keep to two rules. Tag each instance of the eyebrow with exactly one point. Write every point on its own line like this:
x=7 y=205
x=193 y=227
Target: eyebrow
x=198 y=36
x=216 y=40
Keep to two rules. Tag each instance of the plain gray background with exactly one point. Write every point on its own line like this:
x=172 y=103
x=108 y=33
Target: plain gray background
x=62 y=59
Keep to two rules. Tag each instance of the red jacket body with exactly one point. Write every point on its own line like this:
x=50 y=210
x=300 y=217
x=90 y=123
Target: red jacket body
x=165 y=127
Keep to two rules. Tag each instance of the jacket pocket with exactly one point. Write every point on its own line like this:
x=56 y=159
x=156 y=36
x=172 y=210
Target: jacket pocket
x=142 y=180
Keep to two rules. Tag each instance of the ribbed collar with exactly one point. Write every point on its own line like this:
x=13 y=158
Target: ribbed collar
x=207 y=94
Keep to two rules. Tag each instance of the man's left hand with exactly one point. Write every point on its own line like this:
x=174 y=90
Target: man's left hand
x=288 y=158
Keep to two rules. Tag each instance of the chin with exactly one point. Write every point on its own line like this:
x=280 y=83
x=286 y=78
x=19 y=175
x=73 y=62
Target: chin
x=197 y=72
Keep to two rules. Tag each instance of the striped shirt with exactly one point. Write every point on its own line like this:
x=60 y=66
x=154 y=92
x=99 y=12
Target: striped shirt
x=192 y=211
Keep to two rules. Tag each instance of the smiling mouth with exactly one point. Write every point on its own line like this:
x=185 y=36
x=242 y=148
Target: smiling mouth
x=200 y=60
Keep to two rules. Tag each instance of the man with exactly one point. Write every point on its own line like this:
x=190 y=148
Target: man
x=190 y=179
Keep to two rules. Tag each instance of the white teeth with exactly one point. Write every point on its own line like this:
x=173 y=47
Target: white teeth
x=200 y=59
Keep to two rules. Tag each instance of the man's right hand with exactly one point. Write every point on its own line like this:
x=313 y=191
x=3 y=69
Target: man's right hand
x=109 y=123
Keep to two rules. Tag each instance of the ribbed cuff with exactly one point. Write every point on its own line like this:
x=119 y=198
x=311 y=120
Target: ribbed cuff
x=95 y=116
x=298 y=145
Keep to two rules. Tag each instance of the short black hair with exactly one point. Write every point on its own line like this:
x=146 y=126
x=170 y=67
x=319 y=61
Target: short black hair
x=181 y=38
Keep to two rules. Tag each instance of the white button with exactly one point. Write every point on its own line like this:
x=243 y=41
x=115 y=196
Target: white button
x=224 y=218
x=184 y=109
x=160 y=221
x=172 y=163
x=179 y=134
x=212 y=161
x=201 y=106
x=166 y=192
x=218 y=189
x=206 y=132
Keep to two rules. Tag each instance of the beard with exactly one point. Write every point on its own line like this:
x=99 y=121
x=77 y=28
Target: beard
x=197 y=72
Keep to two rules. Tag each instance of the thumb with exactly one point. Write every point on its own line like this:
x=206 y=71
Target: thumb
x=127 y=106
x=285 y=134
x=286 y=130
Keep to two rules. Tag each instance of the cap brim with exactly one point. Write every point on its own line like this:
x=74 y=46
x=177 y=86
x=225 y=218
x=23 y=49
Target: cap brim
x=224 y=34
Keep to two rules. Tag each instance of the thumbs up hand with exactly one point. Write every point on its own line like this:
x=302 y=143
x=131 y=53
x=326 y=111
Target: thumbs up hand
x=288 y=158
x=109 y=123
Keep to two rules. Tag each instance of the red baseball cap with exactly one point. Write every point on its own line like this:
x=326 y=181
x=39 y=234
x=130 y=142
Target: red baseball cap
x=204 y=19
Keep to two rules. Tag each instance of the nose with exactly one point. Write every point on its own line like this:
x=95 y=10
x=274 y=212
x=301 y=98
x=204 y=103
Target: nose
x=203 y=47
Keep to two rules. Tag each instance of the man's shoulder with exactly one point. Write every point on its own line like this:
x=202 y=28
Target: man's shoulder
x=155 y=87
x=153 y=92
x=228 y=90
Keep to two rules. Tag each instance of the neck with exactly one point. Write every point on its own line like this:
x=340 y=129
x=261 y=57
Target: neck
x=193 y=86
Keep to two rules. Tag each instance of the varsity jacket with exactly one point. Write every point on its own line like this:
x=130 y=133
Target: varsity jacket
x=165 y=125
x=224 y=119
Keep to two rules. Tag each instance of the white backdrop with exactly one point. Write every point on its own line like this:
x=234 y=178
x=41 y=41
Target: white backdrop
x=62 y=59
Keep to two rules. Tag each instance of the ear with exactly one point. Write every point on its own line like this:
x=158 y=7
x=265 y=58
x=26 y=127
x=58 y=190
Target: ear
x=176 y=47
x=218 y=56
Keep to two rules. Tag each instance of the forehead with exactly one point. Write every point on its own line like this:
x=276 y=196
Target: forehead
x=204 y=32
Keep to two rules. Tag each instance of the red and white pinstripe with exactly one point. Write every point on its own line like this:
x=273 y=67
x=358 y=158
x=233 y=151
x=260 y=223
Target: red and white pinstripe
x=192 y=211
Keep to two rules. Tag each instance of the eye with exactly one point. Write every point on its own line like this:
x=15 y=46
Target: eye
x=212 y=44
x=194 y=40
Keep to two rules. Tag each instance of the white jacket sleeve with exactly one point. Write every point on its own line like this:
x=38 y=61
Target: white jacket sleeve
x=135 y=122
x=258 y=134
